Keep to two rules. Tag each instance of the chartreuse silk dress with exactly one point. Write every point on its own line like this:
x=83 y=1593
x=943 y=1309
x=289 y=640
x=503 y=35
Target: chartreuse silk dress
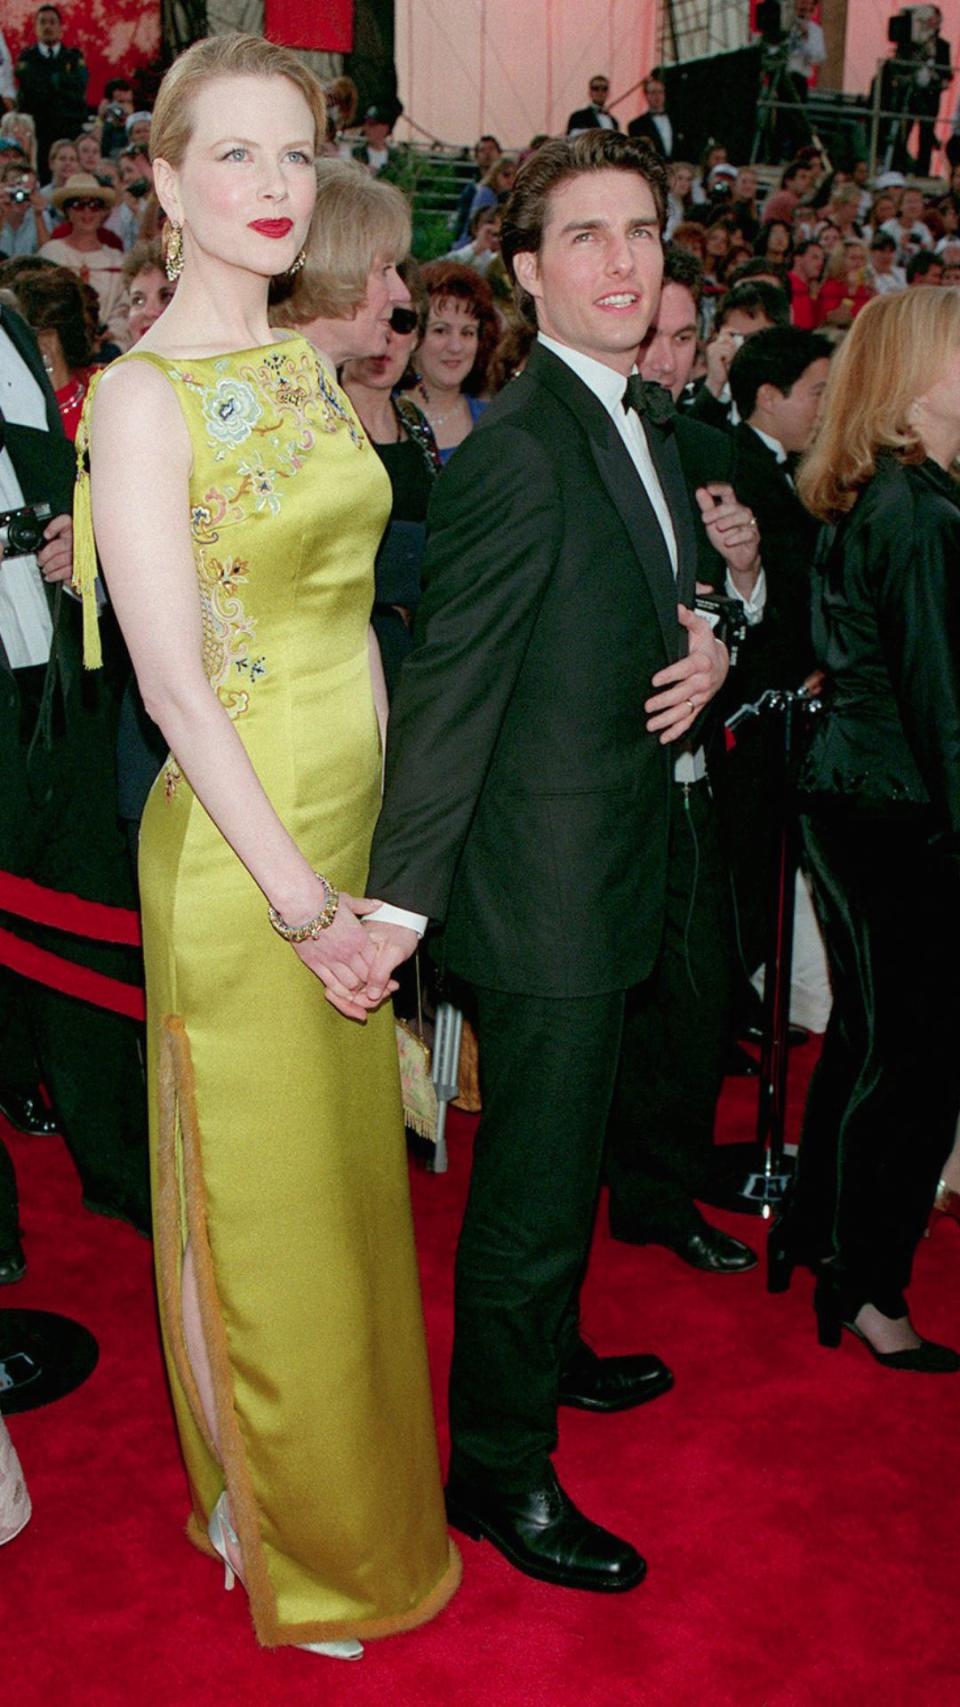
x=277 y=1135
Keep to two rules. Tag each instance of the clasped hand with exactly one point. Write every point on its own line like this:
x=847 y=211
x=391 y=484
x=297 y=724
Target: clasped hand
x=354 y=962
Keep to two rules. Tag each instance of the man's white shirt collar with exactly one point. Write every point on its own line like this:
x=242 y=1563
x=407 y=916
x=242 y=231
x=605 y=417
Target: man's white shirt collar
x=605 y=382
x=770 y=442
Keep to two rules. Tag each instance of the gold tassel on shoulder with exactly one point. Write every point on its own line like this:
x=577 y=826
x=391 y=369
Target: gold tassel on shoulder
x=84 y=546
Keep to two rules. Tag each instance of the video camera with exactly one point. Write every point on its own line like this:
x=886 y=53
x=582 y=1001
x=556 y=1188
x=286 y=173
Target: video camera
x=914 y=26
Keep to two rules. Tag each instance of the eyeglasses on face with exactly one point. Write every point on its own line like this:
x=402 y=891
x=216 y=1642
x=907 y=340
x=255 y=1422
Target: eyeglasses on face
x=404 y=320
x=87 y=204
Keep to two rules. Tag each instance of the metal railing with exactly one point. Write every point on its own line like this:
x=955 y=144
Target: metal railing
x=868 y=129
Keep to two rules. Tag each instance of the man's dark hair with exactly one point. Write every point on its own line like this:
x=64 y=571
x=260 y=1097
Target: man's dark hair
x=115 y=83
x=754 y=298
x=486 y=137
x=758 y=267
x=54 y=302
x=779 y=357
x=882 y=240
x=55 y=9
x=808 y=243
x=562 y=158
x=680 y=267
x=790 y=172
x=919 y=265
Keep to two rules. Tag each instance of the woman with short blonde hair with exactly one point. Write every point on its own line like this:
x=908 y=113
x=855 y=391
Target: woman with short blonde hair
x=358 y=222
x=881 y=823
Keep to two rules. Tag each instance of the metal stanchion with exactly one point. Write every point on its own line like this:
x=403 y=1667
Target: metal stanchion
x=752 y=1178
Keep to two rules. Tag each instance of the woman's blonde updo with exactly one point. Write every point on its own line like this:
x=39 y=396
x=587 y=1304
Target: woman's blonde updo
x=224 y=56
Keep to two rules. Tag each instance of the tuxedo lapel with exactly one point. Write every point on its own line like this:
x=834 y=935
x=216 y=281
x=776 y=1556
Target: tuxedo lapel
x=26 y=346
x=666 y=460
x=623 y=483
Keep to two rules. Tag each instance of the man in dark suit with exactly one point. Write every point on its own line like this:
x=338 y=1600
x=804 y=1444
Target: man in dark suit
x=534 y=807
x=656 y=125
x=595 y=115
x=59 y=824
x=777 y=379
x=52 y=83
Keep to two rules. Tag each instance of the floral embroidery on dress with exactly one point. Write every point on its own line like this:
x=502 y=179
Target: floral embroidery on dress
x=227 y=631
x=231 y=409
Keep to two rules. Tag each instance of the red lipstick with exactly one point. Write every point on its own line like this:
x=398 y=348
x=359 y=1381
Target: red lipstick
x=272 y=227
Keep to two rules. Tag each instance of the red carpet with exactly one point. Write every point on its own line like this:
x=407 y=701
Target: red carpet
x=798 y=1507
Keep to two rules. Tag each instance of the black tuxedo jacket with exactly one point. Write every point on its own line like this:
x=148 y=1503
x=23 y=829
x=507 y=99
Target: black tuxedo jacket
x=526 y=806
x=585 y=118
x=53 y=91
x=778 y=652
x=644 y=128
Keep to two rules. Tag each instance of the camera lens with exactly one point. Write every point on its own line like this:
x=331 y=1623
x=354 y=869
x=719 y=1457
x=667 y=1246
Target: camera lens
x=24 y=535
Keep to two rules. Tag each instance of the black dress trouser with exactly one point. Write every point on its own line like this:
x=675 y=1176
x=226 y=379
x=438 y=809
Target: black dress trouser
x=883 y=1101
x=551 y=1071
x=60 y=829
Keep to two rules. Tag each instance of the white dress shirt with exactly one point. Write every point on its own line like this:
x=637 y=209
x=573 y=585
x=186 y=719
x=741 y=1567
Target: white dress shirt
x=25 y=626
x=665 y=129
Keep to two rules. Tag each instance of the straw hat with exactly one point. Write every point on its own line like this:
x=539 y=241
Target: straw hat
x=82 y=186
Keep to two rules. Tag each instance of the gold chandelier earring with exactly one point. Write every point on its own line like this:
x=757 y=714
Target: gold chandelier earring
x=173 y=250
x=298 y=263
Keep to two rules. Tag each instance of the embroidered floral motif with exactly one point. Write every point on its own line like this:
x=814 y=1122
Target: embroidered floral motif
x=227 y=631
x=262 y=484
x=231 y=410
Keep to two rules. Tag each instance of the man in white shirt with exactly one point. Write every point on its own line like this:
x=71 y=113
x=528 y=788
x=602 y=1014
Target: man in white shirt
x=52 y=80
x=655 y=125
x=533 y=808
x=594 y=115
x=806 y=48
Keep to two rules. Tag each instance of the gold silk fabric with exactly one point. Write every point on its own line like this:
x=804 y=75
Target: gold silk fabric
x=278 y=1145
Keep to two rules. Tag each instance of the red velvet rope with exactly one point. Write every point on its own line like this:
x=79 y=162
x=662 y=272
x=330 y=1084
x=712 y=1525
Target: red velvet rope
x=93 y=919
x=65 y=912
x=72 y=980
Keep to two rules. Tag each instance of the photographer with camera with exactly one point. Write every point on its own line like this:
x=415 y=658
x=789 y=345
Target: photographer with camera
x=23 y=213
x=58 y=826
x=113 y=113
x=913 y=81
x=134 y=183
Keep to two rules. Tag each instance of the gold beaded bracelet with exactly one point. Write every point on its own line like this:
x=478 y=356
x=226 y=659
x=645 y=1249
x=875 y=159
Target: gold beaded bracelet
x=313 y=927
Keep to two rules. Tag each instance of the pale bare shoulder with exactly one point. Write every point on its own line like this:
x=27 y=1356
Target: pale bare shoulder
x=136 y=411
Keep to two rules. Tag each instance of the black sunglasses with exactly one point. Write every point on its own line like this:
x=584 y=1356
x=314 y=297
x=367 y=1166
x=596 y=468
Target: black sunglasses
x=89 y=204
x=404 y=320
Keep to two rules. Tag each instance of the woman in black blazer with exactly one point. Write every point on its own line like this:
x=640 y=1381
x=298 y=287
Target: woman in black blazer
x=881 y=822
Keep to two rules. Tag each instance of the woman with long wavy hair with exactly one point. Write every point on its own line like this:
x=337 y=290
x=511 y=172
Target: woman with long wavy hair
x=881 y=822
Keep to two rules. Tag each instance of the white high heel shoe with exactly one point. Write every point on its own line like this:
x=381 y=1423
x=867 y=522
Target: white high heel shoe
x=221 y=1531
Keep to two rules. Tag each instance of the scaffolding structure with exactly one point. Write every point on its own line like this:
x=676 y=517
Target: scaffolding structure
x=695 y=29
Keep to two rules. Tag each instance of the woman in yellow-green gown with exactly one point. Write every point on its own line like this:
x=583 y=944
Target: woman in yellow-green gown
x=278 y=1145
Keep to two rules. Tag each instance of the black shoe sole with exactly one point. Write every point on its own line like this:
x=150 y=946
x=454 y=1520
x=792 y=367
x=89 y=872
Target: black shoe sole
x=469 y=1524
x=577 y=1402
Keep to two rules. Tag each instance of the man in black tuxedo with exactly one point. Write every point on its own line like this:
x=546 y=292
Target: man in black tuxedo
x=52 y=83
x=777 y=379
x=59 y=824
x=595 y=115
x=656 y=125
x=533 y=808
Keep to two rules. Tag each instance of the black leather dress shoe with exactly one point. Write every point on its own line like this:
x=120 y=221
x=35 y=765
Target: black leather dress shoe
x=27 y=1112
x=714 y=1252
x=542 y=1533
x=703 y=1247
x=592 y=1383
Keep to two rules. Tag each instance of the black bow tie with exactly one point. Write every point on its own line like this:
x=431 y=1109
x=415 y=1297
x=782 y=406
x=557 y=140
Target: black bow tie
x=649 y=399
